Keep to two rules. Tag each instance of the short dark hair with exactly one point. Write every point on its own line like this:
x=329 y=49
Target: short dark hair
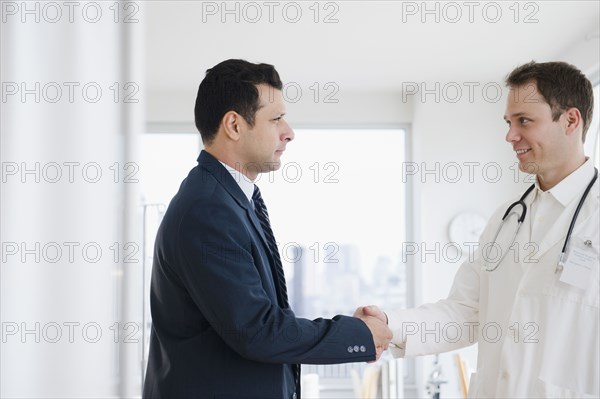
x=562 y=85
x=231 y=86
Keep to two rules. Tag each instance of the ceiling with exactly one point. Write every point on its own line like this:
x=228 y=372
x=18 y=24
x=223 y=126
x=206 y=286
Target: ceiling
x=367 y=46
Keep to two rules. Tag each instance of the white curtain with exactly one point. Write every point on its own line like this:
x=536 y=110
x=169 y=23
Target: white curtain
x=69 y=206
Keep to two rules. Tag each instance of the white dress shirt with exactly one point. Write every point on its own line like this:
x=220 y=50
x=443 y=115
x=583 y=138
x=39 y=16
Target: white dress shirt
x=242 y=180
x=547 y=205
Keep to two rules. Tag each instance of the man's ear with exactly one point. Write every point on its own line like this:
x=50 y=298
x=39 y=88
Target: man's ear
x=573 y=120
x=232 y=124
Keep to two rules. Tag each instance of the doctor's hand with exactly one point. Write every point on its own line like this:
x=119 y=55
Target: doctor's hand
x=371 y=310
x=382 y=335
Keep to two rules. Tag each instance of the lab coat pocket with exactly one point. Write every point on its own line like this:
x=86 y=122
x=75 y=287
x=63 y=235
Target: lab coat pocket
x=570 y=364
x=546 y=390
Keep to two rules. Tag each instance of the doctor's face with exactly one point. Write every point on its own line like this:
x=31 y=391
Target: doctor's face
x=264 y=143
x=539 y=143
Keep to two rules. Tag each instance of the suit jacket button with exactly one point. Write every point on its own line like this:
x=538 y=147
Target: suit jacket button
x=356 y=348
x=294 y=396
x=362 y=348
x=350 y=349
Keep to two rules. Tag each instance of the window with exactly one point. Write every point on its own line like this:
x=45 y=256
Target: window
x=337 y=208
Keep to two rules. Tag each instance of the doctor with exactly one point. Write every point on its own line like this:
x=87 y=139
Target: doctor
x=535 y=318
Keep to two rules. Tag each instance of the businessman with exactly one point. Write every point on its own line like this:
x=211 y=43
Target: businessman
x=534 y=313
x=222 y=326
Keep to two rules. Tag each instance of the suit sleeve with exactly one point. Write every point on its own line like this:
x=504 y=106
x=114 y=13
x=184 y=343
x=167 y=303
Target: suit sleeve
x=224 y=283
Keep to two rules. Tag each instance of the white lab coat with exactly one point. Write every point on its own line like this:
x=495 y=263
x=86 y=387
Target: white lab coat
x=537 y=336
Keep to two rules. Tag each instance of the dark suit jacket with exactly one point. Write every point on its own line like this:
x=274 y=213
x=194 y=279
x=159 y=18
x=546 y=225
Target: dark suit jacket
x=218 y=331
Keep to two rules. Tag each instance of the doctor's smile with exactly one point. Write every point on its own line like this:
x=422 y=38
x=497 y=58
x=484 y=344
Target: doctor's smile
x=522 y=151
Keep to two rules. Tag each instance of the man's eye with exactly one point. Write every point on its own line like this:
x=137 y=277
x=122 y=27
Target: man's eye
x=524 y=121
x=276 y=120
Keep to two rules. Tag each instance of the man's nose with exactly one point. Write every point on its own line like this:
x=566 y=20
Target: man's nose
x=287 y=133
x=512 y=135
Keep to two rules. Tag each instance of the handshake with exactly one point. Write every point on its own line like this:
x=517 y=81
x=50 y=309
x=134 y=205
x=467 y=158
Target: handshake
x=376 y=320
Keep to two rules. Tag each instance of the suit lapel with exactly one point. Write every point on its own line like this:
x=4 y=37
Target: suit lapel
x=211 y=165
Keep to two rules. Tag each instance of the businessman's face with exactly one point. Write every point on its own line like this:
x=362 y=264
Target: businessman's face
x=264 y=143
x=540 y=144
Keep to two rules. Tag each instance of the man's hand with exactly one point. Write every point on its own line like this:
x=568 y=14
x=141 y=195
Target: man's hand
x=382 y=335
x=373 y=311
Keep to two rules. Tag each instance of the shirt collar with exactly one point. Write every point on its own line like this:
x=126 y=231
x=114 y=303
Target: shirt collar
x=242 y=180
x=571 y=186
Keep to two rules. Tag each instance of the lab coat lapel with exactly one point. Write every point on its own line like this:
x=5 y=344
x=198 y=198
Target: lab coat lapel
x=558 y=232
x=589 y=209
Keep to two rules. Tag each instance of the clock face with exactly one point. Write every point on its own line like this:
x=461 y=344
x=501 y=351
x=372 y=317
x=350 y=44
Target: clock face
x=466 y=227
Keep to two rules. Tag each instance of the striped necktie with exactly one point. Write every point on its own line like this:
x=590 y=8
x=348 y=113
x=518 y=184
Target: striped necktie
x=263 y=216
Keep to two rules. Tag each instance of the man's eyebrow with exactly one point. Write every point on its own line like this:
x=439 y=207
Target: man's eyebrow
x=514 y=115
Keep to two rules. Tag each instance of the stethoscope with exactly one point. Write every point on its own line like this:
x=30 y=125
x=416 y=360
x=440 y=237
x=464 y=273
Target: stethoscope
x=521 y=203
